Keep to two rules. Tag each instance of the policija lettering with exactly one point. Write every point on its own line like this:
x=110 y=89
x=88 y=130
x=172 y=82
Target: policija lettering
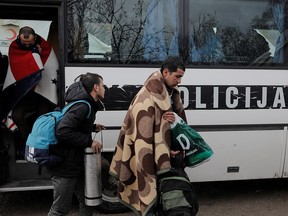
x=234 y=97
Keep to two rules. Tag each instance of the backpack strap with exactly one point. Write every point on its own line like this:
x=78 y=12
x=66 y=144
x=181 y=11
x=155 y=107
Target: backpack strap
x=66 y=108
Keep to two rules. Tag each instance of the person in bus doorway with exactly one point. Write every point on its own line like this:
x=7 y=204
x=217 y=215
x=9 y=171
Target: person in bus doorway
x=30 y=85
x=4 y=156
x=143 y=147
x=3 y=72
x=74 y=134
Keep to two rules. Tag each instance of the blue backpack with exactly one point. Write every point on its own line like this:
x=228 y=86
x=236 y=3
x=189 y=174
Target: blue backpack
x=43 y=135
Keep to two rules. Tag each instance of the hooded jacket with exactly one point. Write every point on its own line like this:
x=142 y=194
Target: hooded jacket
x=74 y=133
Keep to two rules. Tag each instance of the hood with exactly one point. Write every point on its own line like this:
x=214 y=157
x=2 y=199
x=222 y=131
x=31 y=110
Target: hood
x=76 y=91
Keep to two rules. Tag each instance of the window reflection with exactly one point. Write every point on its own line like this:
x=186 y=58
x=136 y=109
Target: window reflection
x=278 y=15
x=161 y=31
x=232 y=32
x=203 y=32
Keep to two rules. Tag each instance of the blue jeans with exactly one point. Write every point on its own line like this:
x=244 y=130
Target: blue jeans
x=64 y=188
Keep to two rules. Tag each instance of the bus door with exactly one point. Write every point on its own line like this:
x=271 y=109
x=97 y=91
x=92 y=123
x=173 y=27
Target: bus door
x=45 y=18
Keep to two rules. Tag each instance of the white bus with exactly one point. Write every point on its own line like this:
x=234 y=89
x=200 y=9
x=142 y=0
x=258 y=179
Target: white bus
x=234 y=90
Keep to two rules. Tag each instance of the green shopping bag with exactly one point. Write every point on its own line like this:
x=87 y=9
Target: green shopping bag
x=183 y=137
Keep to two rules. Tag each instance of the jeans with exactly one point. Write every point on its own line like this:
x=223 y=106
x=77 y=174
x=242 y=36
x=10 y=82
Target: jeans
x=64 y=188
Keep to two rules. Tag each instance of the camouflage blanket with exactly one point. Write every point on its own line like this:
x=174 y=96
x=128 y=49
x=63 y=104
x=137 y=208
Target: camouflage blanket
x=143 y=147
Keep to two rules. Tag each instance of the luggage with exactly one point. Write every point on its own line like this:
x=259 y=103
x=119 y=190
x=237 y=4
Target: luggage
x=176 y=196
x=43 y=135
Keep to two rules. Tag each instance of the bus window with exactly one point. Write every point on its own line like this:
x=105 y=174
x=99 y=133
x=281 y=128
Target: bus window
x=224 y=33
x=122 y=32
x=236 y=32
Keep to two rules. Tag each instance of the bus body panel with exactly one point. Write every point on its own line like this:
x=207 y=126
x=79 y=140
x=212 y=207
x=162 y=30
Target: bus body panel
x=242 y=155
x=247 y=143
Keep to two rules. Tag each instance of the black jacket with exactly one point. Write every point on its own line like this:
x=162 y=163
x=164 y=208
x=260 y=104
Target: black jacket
x=74 y=133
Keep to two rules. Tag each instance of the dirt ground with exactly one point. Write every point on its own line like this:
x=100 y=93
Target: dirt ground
x=238 y=198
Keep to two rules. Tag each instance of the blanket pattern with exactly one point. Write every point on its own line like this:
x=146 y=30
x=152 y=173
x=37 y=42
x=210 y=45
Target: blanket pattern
x=143 y=146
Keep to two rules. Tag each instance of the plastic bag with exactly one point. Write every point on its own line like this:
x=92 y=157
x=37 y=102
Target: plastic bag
x=183 y=137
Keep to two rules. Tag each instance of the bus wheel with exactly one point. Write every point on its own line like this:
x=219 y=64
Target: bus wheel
x=110 y=203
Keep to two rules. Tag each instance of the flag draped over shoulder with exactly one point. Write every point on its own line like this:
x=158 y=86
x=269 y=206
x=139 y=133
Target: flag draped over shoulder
x=28 y=70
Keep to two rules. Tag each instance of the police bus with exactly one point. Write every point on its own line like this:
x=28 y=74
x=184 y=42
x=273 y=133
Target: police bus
x=235 y=88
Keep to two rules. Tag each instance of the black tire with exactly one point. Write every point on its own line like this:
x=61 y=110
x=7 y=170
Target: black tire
x=110 y=203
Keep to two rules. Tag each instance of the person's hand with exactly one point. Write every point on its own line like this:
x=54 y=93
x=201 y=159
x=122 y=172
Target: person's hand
x=99 y=127
x=96 y=146
x=177 y=158
x=174 y=153
x=39 y=48
x=169 y=116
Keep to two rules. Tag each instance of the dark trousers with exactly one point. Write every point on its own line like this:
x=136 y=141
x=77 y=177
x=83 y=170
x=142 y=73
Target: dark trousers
x=64 y=188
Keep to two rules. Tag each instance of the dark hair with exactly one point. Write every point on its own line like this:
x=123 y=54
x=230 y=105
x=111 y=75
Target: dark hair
x=26 y=31
x=89 y=80
x=172 y=63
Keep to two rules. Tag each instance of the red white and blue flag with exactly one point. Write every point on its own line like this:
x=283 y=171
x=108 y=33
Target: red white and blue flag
x=27 y=71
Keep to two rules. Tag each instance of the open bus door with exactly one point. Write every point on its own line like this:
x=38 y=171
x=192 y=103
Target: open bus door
x=44 y=18
x=47 y=19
